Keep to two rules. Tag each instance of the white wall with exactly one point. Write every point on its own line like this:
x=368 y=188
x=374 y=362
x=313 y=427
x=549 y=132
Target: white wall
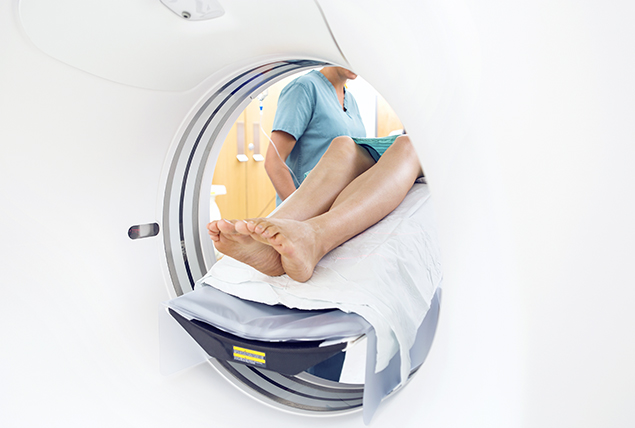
x=366 y=97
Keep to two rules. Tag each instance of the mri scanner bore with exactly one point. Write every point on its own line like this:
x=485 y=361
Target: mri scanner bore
x=282 y=365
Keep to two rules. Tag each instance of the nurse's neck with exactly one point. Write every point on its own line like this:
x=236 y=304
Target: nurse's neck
x=338 y=77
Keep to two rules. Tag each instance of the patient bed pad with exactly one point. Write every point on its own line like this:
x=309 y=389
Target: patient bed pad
x=388 y=275
x=258 y=321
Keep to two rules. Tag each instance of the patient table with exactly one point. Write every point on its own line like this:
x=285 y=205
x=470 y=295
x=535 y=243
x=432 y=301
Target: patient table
x=252 y=322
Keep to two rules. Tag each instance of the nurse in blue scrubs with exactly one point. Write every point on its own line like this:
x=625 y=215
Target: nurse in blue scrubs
x=312 y=110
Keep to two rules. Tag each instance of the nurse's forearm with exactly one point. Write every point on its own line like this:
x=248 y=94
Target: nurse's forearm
x=279 y=174
x=281 y=179
x=277 y=153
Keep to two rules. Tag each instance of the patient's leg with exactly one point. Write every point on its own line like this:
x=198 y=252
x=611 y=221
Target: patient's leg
x=342 y=163
x=364 y=202
x=240 y=247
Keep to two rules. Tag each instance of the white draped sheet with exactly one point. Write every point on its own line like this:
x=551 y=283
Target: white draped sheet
x=387 y=274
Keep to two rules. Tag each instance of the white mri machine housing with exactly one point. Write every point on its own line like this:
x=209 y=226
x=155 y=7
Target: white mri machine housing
x=521 y=115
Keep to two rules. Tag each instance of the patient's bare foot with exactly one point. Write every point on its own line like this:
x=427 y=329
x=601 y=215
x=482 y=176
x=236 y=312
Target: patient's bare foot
x=243 y=248
x=294 y=240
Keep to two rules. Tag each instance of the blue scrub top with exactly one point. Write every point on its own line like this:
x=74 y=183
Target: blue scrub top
x=309 y=110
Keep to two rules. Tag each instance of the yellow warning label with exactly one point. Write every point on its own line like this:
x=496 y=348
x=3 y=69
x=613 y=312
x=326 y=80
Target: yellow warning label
x=250 y=356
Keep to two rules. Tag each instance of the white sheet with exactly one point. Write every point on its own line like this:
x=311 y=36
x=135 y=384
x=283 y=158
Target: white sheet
x=388 y=275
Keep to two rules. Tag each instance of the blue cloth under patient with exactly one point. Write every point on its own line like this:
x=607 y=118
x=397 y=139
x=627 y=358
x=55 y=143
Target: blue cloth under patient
x=376 y=146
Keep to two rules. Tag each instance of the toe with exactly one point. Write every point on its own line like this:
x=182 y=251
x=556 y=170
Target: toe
x=242 y=227
x=212 y=227
x=269 y=230
x=258 y=225
x=226 y=226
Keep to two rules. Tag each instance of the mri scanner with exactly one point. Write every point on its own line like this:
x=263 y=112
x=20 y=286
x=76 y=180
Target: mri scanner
x=113 y=113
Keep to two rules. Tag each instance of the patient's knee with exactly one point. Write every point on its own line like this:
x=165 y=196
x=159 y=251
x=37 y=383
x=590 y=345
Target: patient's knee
x=342 y=141
x=343 y=147
x=403 y=146
x=403 y=141
x=403 y=150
